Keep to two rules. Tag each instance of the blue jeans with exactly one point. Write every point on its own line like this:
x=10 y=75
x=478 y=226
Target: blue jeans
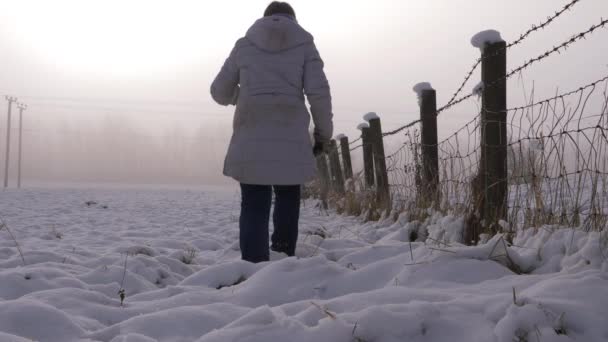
x=256 y=201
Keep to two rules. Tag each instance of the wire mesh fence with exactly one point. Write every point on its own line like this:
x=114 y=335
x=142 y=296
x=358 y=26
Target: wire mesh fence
x=552 y=154
x=557 y=162
x=558 y=159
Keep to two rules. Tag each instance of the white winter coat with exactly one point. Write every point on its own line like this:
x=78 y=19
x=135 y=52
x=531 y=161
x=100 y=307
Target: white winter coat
x=267 y=75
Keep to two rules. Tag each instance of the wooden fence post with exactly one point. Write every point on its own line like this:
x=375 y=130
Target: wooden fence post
x=337 y=179
x=493 y=161
x=346 y=161
x=368 y=159
x=376 y=140
x=323 y=179
x=430 y=155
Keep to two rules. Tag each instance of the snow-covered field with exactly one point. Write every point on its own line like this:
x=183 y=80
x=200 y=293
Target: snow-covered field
x=351 y=281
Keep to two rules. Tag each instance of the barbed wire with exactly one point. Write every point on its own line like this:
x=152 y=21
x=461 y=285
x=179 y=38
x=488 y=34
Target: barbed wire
x=555 y=150
x=544 y=24
x=561 y=96
x=557 y=160
x=555 y=49
x=528 y=63
x=393 y=132
x=564 y=45
x=466 y=80
x=453 y=101
x=456 y=102
x=356 y=147
x=462 y=128
x=522 y=37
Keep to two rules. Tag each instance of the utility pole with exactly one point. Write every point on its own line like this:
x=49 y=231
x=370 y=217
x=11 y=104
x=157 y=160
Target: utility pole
x=22 y=107
x=10 y=100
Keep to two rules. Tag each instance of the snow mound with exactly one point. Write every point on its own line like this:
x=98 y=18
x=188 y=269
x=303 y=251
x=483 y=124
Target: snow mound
x=370 y=116
x=37 y=321
x=551 y=249
x=268 y=324
x=12 y=338
x=222 y=275
x=108 y=280
x=136 y=250
x=19 y=282
x=554 y=312
x=187 y=323
x=483 y=38
x=447 y=229
x=133 y=338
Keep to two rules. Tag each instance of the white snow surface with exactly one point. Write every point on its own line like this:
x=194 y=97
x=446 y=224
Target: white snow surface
x=351 y=281
x=370 y=116
x=340 y=136
x=363 y=125
x=486 y=37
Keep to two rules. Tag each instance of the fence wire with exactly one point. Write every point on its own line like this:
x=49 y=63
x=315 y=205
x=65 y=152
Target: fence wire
x=557 y=162
x=556 y=153
x=518 y=41
x=558 y=166
x=556 y=49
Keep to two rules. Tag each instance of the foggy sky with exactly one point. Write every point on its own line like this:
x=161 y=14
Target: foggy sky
x=118 y=91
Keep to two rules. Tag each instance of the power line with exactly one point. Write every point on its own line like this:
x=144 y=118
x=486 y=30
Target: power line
x=10 y=100
x=22 y=107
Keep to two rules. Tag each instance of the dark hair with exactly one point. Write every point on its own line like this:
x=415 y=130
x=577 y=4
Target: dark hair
x=278 y=7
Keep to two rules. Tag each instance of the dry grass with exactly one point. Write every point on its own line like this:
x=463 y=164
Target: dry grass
x=4 y=225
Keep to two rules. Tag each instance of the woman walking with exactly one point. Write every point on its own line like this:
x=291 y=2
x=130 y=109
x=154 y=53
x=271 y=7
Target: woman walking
x=267 y=76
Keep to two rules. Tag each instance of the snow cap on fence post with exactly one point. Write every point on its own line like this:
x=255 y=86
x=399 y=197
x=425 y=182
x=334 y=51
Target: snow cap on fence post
x=370 y=116
x=483 y=38
x=362 y=126
x=420 y=88
x=340 y=136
